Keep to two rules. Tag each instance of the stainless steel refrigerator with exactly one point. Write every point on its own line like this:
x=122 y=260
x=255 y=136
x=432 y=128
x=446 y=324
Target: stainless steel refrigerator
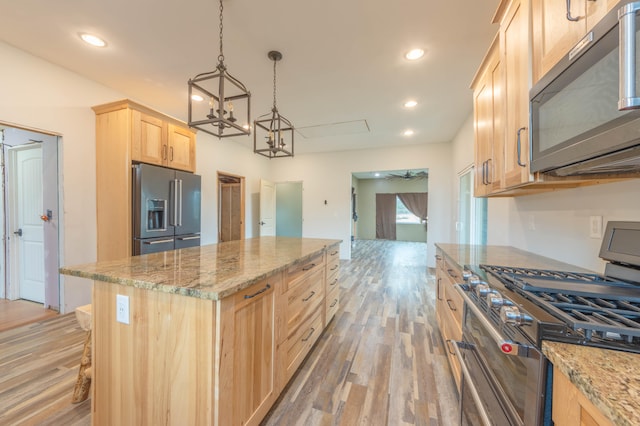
x=166 y=209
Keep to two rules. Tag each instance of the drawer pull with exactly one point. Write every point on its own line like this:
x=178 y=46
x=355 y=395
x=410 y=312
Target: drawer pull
x=334 y=282
x=438 y=257
x=334 y=253
x=249 y=296
x=451 y=274
x=310 y=296
x=334 y=268
x=309 y=336
x=334 y=303
x=452 y=307
x=438 y=289
x=306 y=268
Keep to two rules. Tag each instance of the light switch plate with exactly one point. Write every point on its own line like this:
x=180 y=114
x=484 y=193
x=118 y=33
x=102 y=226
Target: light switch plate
x=122 y=308
x=595 y=226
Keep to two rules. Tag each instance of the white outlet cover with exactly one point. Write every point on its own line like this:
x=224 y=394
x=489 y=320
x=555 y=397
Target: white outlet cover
x=595 y=226
x=122 y=308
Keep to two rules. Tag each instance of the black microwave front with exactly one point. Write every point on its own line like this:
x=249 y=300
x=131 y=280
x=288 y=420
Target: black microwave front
x=584 y=116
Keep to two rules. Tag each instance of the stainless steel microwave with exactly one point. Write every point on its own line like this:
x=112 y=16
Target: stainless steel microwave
x=584 y=111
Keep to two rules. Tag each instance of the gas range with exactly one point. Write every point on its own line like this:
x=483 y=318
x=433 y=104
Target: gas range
x=581 y=308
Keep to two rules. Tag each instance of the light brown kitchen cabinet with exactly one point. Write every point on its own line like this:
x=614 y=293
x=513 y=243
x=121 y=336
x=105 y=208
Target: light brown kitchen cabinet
x=556 y=29
x=571 y=407
x=514 y=47
x=304 y=292
x=156 y=141
x=449 y=309
x=332 y=287
x=127 y=132
x=488 y=126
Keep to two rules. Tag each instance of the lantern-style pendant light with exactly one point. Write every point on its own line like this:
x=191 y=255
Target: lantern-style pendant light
x=216 y=98
x=277 y=130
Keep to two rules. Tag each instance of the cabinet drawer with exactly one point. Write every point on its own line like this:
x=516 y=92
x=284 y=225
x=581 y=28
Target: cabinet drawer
x=299 y=343
x=454 y=302
x=303 y=299
x=298 y=273
x=333 y=280
x=332 y=265
x=332 y=302
x=452 y=271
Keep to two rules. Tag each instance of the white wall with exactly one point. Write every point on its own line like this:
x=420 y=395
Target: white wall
x=553 y=224
x=327 y=176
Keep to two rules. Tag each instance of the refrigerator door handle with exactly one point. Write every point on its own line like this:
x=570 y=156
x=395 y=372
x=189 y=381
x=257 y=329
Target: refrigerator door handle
x=180 y=203
x=174 y=219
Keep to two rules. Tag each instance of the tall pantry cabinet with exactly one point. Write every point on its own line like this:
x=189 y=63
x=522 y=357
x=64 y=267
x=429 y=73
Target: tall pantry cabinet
x=127 y=132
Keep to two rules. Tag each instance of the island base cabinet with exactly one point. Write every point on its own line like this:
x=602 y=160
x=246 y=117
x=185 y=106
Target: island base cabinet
x=158 y=369
x=571 y=407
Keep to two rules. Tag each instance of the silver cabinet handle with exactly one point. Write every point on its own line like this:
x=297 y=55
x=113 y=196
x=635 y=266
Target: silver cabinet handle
x=569 y=17
x=519 y=147
x=150 y=243
x=627 y=18
x=489 y=181
x=472 y=387
x=188 y=238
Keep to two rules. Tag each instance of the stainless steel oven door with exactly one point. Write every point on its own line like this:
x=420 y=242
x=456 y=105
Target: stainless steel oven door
x=511 y=385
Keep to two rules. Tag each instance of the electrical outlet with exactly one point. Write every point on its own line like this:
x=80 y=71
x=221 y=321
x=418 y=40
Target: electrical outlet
x=122 y=308
x=595 y=226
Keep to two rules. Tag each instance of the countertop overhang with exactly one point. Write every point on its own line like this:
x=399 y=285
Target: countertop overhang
x=209 y=272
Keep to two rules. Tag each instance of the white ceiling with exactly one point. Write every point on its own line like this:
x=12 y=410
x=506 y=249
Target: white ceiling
x=343 y=60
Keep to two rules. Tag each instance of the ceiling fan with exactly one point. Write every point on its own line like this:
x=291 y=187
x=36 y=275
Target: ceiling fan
x=409 y=175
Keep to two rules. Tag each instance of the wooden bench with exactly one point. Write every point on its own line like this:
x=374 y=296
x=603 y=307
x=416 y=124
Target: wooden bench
x=83 y=383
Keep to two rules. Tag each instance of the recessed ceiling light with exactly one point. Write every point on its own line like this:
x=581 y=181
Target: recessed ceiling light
x=408 y=132
x=410 y=104
x=197 y=98
x=414 y=54
x=246 y=127
x=92 y=40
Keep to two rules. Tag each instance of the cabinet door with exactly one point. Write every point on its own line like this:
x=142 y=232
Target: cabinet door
x=515 y=60
x=553 y=33
x=488 y=105
x=254 y=352
x=182 y=148
x=571 y=407
x=149 y=135
x=596 y=9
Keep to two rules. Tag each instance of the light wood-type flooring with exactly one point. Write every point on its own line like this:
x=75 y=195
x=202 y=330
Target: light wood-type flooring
x=381 y=360
x=14 y=313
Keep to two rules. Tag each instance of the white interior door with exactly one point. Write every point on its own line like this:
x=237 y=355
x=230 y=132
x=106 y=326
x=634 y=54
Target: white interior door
x=26 y=226
x=267 y=208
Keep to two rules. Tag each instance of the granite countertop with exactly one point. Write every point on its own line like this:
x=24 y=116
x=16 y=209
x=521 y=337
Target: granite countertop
x=211 y=271
x=610 y=379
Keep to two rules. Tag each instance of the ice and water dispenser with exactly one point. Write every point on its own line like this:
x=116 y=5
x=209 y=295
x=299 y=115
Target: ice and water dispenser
x=156 y=215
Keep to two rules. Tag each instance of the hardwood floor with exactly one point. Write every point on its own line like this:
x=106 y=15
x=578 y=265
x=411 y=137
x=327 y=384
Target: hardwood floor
x=14 y=313
x=381 y=360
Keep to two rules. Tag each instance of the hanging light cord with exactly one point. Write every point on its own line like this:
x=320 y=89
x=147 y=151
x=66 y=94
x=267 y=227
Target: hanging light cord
x=221 y=55
x=274 y=84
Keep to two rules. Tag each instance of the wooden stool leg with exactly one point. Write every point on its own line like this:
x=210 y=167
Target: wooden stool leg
x=83 y=384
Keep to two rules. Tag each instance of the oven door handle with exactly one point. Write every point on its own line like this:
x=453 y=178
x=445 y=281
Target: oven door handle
x=507 y=347
x=471 y=386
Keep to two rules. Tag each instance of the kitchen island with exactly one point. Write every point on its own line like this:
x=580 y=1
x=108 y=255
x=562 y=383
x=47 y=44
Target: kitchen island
x=591 y=385
x=206 y=335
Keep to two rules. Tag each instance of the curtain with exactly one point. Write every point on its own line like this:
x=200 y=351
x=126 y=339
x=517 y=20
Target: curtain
x=386 y=216
x=416 y=203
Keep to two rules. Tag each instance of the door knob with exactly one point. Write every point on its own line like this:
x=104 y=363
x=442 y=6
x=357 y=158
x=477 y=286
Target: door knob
x=262 y=223
x=18 y=232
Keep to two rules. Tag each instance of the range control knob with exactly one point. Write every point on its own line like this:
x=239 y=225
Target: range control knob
x=512 y=315
x=466 y=274
x=495 y=300
x=473 y=281
x=482 y=290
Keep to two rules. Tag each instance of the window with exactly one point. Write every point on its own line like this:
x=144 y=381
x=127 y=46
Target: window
x=472 y=212
x=403 y=215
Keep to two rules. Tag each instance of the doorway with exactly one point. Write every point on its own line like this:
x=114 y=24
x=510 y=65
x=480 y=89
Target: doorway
x=471 y=226
x=289 y=209
x=30 y=261
x=231 y=207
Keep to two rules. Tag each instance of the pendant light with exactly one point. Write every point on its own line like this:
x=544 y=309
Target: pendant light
x=273 y=127
x=216 y=97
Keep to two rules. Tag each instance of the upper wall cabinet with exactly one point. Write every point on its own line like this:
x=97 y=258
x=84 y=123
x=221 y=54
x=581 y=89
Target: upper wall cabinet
x=156 y=141
x=488 y=126
x=559 y=25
